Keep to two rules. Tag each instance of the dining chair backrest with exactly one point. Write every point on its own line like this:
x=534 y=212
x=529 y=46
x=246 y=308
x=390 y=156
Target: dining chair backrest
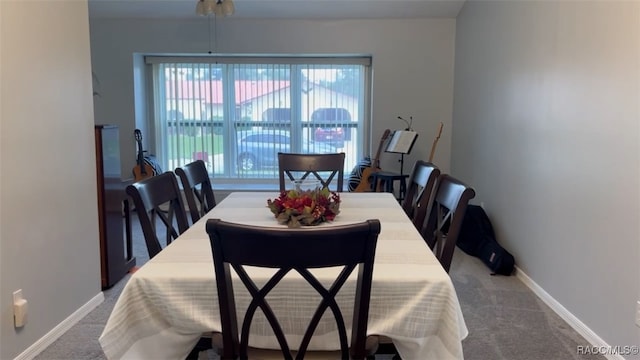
x=322 y=167
x=419 y=191
x=197 y=188
x=444 y=217
x=159 y=196
x=293 y=252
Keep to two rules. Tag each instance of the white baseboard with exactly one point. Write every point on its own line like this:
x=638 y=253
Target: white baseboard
x=582 y=329
x=53 y=335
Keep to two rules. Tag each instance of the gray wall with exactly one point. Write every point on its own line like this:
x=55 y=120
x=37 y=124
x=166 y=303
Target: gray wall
x=48 y=223
x=412 y=59
x=546 y=127
x=546 y=119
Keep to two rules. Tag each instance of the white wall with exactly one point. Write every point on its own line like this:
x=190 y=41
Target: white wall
x=546 y=127
x=48 y=213
x=412 y=59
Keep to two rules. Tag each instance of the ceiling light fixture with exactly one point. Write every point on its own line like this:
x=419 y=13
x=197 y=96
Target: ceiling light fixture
x=215 y=7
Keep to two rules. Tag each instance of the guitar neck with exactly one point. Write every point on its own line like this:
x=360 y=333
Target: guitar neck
x=376 y=161
x=435 y=142
x=140 y=156
x=138 y=136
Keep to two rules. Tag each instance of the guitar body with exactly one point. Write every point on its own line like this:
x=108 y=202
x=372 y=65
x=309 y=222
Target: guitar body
x=365 y=180
x=142 y=170
x=142 y=173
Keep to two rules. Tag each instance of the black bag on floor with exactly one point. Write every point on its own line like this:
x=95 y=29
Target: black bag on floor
x=478 y=239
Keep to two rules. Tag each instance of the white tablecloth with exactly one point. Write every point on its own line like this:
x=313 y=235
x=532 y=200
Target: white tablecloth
x=171 y=300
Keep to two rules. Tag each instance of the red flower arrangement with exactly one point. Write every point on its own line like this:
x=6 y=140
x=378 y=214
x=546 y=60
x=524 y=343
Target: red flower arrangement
x=310 y=207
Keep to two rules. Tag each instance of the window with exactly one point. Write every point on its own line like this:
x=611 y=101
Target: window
x=237 y=113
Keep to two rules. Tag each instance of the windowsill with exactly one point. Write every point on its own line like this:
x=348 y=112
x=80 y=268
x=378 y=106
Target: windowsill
x=231 y=187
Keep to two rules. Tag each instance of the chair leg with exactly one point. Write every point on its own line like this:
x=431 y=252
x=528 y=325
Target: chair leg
x=395 y=357
x=193 y=355
x=203 y=344
x=388 y=349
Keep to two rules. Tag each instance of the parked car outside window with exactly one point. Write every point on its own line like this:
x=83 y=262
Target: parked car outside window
x=278 y=118
x=259 y=149
x=325 y=131
x=277 y=115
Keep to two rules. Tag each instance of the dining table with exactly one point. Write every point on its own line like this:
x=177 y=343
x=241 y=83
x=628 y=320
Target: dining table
x=171 y=301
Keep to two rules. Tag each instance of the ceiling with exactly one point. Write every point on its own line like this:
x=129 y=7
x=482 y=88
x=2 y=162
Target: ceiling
x=291 y=9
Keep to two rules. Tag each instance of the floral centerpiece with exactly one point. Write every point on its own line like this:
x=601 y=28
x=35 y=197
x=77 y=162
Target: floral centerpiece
x=305 y=207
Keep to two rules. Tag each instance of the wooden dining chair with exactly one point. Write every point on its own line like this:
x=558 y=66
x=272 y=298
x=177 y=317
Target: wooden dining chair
x=197 y=188
x=419 y=191
x=444 y=217
x=415 y=204
x=323 y=167
x=159 y=196
x=350 y=247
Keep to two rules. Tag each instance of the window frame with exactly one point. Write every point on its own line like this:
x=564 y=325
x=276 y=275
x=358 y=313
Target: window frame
x=230 y=133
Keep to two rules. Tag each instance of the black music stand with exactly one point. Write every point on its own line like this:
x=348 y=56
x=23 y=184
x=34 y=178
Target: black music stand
x=401 y=143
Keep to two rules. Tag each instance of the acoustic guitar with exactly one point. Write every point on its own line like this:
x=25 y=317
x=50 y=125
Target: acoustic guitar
x=142 y=170
x=365 y=180
x=435 y=142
